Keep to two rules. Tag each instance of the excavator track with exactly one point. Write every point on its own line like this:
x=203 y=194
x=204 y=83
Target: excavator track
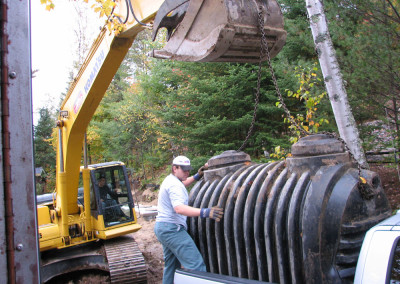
x=125 y=260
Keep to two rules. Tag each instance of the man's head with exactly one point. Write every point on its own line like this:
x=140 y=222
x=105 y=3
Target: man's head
x=181 y=167
x=102 y=181
x=183 y=162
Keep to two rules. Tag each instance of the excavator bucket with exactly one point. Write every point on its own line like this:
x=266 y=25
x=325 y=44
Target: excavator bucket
x=219 y=30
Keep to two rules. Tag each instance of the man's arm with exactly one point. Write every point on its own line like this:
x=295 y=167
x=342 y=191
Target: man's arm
x=188 y=181
x=187 y=210
x=215 y=213
x=113 y=194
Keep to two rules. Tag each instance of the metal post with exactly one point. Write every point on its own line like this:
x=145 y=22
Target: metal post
x=19 y=258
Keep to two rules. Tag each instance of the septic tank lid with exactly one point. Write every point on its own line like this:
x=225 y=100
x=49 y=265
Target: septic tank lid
x=317 y=144
x=228 y=158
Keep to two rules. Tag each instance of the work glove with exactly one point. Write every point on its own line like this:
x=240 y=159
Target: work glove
x=200 y=172
x=215 y=213
x=202 y=169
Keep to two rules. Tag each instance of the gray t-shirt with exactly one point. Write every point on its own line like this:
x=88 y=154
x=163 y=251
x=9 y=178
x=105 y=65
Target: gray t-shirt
x=172 y=193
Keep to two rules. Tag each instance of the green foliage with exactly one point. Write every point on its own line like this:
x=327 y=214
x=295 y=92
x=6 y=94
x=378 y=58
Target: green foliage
x=45 y=153
x=366 y=37
x=306 y=118
x=208 y=108
x=299 y=44
x=124 y=127
x=280 y=153
x=308 y=93
x=366 y=40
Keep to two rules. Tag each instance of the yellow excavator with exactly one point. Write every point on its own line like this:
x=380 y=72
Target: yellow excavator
x=84 y=232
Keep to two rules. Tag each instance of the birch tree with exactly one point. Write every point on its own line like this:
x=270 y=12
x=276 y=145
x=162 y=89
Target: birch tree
x=333 y=80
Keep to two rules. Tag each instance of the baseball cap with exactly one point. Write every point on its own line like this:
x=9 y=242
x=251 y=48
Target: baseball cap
x=183 y=162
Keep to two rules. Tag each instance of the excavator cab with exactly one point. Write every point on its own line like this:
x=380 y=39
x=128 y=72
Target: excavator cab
x=219 y=31
x=113 y=198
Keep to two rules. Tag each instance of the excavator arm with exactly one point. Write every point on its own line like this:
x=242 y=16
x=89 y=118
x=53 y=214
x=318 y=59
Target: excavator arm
x=82 y=100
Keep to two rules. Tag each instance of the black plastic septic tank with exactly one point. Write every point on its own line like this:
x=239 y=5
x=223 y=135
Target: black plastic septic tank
x=298 y=221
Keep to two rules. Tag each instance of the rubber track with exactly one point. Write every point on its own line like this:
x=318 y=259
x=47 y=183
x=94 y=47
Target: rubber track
x=125 y=260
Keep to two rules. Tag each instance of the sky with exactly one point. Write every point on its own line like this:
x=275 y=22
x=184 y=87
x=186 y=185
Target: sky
x=53 y=43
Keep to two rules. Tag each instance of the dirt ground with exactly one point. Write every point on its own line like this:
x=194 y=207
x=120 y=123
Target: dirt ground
x=147 y=240
x=152 y=249
x=390 y=182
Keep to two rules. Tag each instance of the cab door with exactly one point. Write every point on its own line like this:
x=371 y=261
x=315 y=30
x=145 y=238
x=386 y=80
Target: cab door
x=113 y=195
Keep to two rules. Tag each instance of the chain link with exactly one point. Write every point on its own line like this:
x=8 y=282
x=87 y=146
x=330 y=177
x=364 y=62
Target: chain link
x=263 y=49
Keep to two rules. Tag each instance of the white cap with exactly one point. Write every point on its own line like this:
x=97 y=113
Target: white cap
x=183 y=162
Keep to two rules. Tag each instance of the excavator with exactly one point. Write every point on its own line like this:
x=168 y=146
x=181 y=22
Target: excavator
x=84 y=231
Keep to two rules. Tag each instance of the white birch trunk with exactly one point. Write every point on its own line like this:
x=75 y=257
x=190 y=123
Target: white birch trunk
x=333 y=80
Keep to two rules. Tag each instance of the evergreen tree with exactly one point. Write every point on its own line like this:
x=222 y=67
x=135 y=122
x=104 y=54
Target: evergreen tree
x=45 y=155
x=367 y=35
x=208 y=107
x=44 y=151
x=123 y=127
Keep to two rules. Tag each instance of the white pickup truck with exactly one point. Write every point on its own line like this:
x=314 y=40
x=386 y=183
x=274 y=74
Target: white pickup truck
x=379 y=259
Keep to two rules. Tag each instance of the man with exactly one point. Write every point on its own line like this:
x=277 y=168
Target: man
x=105 y=190
x=173 y=210
x=108 y=200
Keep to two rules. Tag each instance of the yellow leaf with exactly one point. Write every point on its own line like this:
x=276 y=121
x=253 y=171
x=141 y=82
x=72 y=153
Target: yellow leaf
x=363 y=180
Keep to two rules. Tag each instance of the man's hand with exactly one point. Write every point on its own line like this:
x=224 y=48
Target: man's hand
x=202 y=169
x=200 y=172
x=215 y=213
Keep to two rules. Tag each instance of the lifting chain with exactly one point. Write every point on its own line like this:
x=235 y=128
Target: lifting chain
x=264 y=51
x=365 y=189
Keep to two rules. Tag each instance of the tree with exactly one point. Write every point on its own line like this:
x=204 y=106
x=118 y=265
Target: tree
x=333 y=80
x=45 y=155
x=123 y=127
x=367 y=36
x=208 y=107
x=309 y=121
x=44 y=151
x=102 y=128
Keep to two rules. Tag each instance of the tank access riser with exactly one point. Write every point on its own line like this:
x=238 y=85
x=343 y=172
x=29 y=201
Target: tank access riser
x=302 y=220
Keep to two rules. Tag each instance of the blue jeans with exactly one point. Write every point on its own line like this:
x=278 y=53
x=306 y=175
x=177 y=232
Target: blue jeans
x=179 y=249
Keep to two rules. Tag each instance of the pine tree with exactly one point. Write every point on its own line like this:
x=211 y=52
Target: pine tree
x=45 y=155
x=206 y=108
